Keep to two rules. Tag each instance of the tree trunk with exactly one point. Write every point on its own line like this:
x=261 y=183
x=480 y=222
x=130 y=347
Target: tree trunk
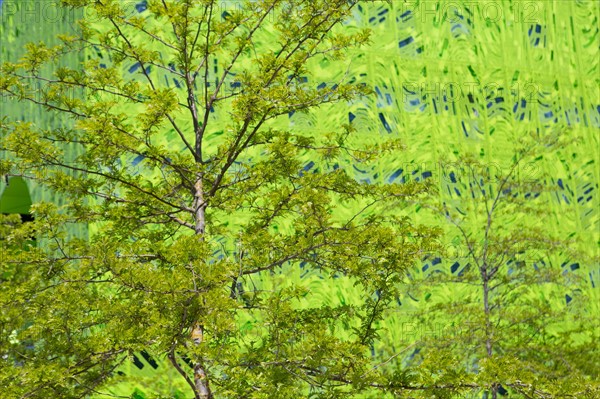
x=486 y=309
x=200 y=377
x=199 y=206
x=201 y=381
x=488 y=333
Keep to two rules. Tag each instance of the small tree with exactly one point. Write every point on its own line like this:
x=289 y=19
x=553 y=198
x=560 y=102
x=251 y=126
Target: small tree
x=198 y=207
x=497 y=322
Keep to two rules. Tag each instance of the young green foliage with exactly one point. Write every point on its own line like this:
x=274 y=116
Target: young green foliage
x=193 y=196
x=498 y=322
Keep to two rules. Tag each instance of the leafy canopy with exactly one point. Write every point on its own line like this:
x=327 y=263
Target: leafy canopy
x=199 y=204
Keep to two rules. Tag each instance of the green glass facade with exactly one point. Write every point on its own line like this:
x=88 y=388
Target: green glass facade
x=448 y=80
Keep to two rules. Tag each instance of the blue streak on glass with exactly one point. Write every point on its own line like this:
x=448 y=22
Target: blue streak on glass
x=385 y=124
x=406 y=42
x=454 y=267
x=137 y=160
x=395 y=175
x=141 y=6
x=134 y=67
x=575 y=266
x=404 y=17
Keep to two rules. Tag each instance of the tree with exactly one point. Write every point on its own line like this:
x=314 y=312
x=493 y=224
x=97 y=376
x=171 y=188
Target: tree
x=187 y=187
x=503 y=317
